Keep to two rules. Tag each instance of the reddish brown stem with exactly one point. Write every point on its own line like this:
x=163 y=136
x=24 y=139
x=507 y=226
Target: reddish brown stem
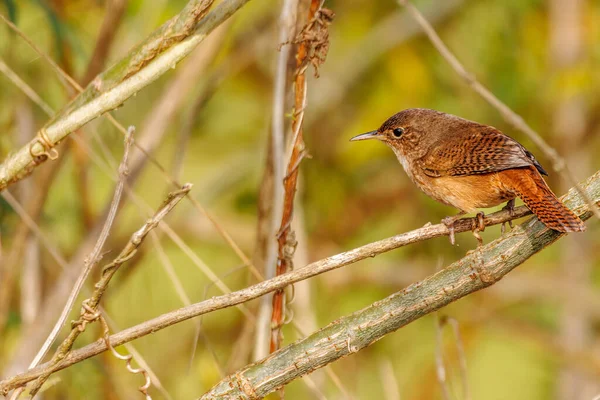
x=285 y=237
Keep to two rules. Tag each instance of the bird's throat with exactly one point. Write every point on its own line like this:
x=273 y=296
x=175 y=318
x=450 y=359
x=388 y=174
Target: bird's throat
x=405 y=163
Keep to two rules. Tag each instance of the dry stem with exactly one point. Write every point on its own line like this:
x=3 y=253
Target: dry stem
x=91 y=260
x=34 y=206
x=286 y=239
x=89 y=311
x=271 y=196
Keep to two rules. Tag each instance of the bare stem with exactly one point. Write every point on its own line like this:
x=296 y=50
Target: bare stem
x=272 y=203
x=286 y=239
x=92 y=259
x=89 y=310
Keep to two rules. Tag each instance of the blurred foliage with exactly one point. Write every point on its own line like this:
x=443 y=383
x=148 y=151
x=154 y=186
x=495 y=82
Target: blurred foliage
x=351 y=193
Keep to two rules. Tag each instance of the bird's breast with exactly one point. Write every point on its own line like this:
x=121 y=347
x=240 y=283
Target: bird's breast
x=467 y=193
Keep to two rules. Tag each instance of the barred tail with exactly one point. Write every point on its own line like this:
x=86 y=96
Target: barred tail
x=529 y=185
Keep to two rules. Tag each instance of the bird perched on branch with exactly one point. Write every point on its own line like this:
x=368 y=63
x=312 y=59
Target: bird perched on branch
x=469 y=166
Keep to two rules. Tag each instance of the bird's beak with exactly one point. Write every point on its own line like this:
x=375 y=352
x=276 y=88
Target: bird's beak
x=365 y=136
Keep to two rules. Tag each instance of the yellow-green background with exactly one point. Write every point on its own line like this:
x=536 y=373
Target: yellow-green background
x=351 y=193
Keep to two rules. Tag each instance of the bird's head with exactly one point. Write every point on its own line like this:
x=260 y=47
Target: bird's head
x=410 y=133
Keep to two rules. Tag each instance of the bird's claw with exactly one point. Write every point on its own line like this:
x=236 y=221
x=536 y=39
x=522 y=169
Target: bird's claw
x=503 y=226
x=449 y=222
x=510 y=207
x=478 y=226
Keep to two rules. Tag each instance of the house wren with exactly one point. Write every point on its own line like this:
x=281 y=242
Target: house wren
x=469 y=166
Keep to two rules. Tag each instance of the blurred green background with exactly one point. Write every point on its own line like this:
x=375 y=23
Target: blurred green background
x=534 y=335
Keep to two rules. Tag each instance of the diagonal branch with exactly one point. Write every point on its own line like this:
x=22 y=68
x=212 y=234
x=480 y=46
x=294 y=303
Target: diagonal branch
x=478 y=270
x=527 y=247
x=143 y=65
x=89 y=312
x=94 y=257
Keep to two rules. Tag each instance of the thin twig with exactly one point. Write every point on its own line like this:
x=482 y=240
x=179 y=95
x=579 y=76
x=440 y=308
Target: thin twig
x=127 y=357
x=52 y=249
x=61 y=261
x=188 y=251
x=286 y=239
x=314 y=388
x=273 y=175
x=25 y=88
x=388 y=379
x=139 y=358
x=558 y=163
x=93 y=258
x=462 y=358
x=287 y=22
x=48 y=59
x=505 y=254
x=440 y=366
x=179 y=289
x=89 y=311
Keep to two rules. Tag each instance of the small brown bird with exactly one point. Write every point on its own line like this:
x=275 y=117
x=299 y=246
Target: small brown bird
x=469 y=166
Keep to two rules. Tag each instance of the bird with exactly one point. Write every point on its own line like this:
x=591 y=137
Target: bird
x=469 y=166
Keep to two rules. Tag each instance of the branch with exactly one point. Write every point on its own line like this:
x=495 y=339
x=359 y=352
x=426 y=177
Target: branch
x=89 y=311
x=34 y=206
x=94 y=257
x=271 y=196
x=327 y=264
x=479 y=269
x=286 y=238
x=143 y=65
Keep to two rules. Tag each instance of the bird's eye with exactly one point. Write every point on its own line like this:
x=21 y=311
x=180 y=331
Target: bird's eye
x=397 y=132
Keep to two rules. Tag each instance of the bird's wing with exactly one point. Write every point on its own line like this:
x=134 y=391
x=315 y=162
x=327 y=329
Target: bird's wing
x=480 y=150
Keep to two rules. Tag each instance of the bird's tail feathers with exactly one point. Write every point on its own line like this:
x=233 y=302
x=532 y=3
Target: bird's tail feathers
x=538 y=197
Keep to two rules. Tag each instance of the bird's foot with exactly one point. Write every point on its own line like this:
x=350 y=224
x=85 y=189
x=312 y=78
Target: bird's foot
x=449 y=222
x=510 y=207
x=478 y=226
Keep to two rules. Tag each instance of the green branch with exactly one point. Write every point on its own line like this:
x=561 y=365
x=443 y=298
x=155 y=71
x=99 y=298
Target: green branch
x=159 y=53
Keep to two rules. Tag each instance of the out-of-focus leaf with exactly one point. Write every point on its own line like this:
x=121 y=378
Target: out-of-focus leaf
x=55 y=26
x=11 y=8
